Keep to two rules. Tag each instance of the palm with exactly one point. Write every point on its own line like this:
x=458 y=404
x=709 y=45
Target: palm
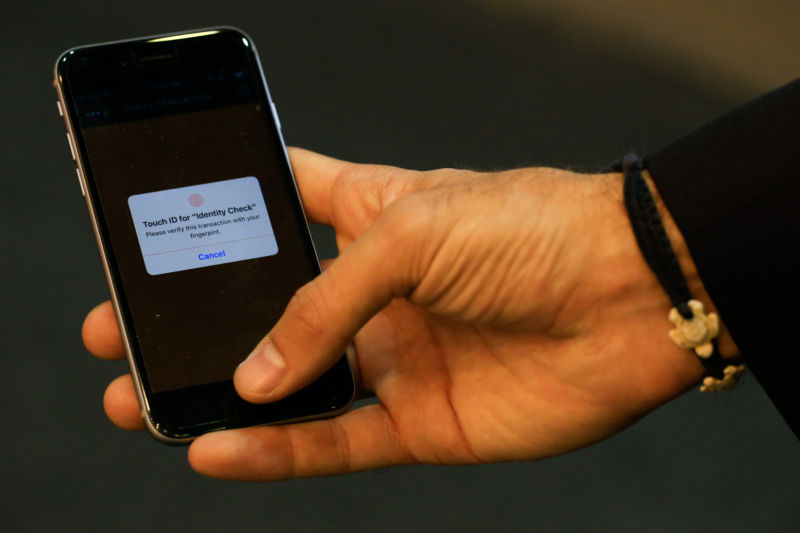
x=460 y=393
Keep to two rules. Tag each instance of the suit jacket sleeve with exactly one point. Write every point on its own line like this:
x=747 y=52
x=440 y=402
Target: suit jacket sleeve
x=733 y=188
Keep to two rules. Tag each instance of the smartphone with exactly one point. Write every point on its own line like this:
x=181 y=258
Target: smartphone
x=180 y=156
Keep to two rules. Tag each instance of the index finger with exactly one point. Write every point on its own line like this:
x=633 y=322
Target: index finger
x=323 y=180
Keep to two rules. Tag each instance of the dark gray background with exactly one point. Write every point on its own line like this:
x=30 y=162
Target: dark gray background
x=461 y=84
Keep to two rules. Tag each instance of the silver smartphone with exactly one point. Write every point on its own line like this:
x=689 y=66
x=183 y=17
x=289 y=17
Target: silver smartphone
x=180 y=156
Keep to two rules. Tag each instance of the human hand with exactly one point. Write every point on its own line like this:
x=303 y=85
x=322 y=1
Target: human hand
x=496 y=317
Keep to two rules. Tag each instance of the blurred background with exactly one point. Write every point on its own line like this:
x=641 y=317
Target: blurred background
x=482 y=84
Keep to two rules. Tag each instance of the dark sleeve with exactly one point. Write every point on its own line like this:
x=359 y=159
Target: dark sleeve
x=733 y=188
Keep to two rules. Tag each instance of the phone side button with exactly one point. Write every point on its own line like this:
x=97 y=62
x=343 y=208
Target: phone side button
x=60 y=111
x=80 y=181
x=71 y=146
x=275 y=114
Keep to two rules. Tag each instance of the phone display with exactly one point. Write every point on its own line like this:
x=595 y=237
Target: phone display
x=198 y=219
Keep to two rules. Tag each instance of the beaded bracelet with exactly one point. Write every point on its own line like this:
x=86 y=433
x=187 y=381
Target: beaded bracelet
x=694 y=329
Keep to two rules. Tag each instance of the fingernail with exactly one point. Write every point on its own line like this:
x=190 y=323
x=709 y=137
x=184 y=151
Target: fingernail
x=262 y=370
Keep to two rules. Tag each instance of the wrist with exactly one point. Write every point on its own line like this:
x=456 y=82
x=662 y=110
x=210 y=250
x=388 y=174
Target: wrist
x=632 y=292
x=630 y=307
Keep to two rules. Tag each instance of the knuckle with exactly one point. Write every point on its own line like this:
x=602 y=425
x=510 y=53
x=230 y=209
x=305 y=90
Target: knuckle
x=412 y=232
x=409 y=216
x=341 y=446
x=307 y=310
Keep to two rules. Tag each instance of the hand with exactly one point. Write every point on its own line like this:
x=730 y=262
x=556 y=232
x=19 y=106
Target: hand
x=496 y=317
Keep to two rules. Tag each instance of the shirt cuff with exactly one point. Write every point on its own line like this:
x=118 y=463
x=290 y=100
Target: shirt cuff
x=733 y=188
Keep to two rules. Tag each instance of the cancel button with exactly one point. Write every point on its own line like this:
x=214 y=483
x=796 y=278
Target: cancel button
x=212 y=255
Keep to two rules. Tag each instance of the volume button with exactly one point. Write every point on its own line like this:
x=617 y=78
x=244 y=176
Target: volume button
x=71 y=147
x=275 y=114
x=60 y=111
x=80 y=181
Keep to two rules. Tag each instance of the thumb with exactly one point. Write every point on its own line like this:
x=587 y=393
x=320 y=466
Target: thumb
x=324 y=315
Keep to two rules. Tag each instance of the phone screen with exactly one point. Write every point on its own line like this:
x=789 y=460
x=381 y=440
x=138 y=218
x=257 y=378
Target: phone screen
x=200 y=218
